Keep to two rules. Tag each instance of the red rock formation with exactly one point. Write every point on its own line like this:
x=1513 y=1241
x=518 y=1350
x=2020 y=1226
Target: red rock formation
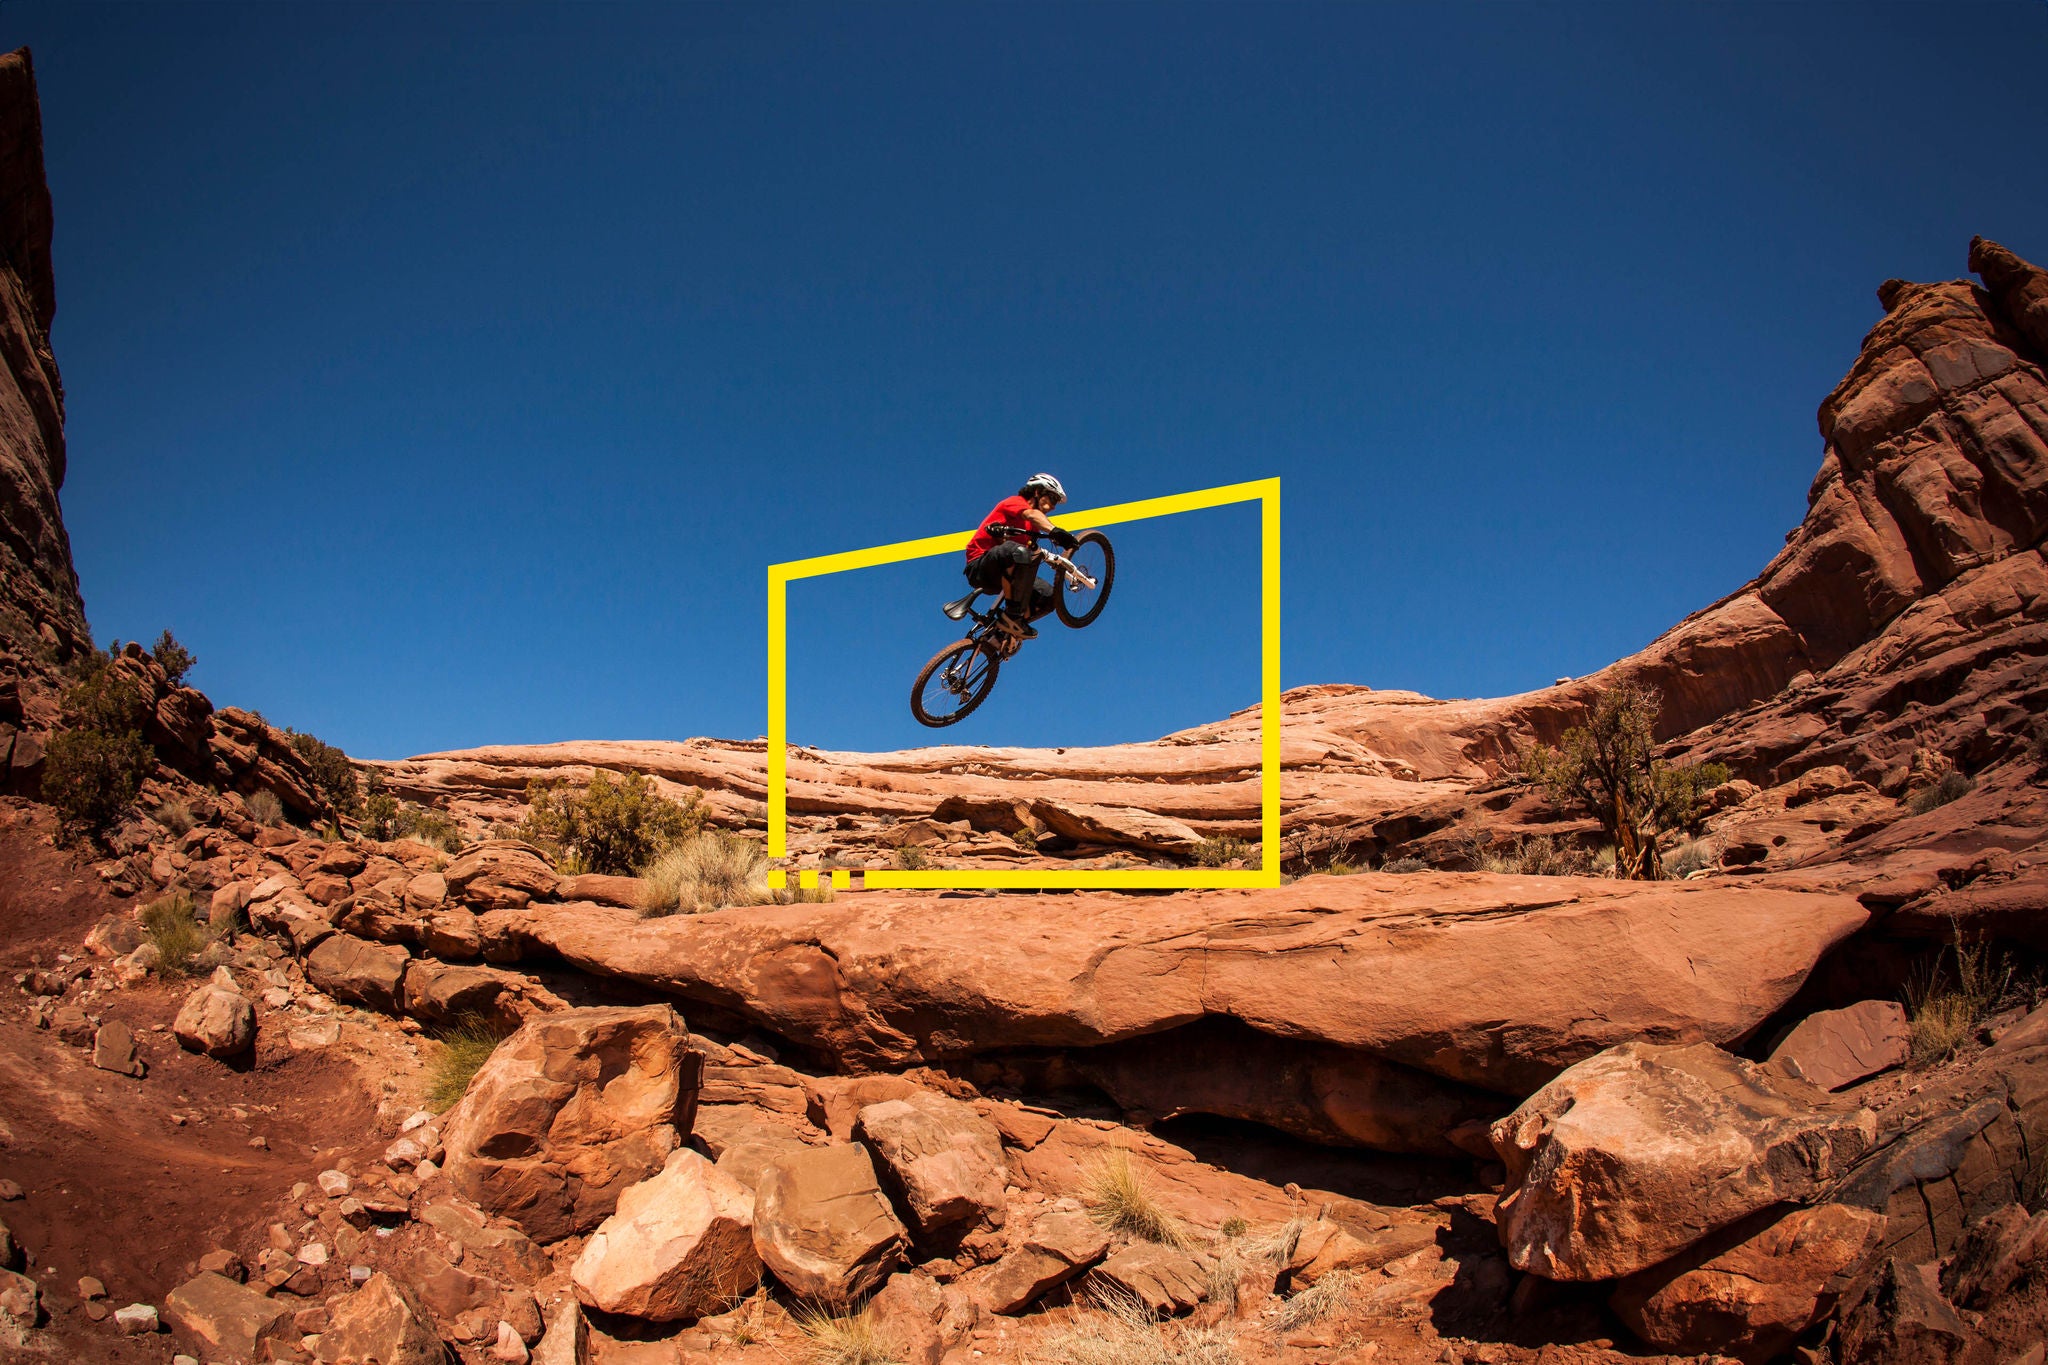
x=38 y=587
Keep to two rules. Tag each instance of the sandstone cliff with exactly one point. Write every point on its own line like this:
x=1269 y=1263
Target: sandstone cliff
x=39 y=599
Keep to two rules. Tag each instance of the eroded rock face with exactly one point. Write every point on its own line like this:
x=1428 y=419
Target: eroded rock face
x=1638 y=1153
x=823 y=1225
x=570 y=1112
x=499 y=874
x=680 y=1245
x=1750 y=1290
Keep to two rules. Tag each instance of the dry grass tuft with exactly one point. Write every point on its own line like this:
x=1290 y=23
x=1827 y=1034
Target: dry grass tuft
x=1946 y=1005
x=1119 y=1197
x=1122 y=1331
x=176 y=817
x=841 y=1340
x=465 y=1047
x=710 y=871
x=263 y=807
x=1326 y=1297
x=173 y=925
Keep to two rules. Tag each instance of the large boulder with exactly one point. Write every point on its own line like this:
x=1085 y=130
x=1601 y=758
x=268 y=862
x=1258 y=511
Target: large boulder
x=383 y=1321
x=1834 y=1048
x=1059 y=1246
x=1752 y=1289
x=823 y=1225
x=232 y=1319
x=942 y=1161
x=570 y=1112
x=499 y=874
x=359 y=971
x=680 y=1246
x=216 y=1019
x=1635 y=1154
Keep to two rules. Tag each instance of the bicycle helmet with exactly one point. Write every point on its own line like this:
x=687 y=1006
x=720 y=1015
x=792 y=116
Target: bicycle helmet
x=1044 y=483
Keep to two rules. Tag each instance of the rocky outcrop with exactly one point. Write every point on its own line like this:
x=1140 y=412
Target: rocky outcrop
x=823 y=1225
x=680 y=1245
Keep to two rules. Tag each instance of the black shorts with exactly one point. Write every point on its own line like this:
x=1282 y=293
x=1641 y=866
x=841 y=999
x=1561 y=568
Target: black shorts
x=988 y=572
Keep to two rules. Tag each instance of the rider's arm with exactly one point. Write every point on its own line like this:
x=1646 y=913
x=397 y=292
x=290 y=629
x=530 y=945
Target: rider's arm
x=1039 y=522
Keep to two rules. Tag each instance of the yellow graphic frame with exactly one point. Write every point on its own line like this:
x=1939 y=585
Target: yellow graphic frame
x=1265 y=492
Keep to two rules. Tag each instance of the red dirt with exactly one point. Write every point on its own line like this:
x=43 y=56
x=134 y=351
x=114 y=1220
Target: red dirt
x=114 y=1186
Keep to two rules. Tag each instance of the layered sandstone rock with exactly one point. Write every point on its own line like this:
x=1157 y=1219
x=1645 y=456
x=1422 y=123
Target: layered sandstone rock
x=680 y=1245
x=823 y=1225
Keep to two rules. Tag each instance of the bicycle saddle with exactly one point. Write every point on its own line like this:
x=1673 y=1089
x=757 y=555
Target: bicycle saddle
x=956 y=610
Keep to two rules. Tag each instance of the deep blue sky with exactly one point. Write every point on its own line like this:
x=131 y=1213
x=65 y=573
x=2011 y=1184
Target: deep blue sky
x=448 y=375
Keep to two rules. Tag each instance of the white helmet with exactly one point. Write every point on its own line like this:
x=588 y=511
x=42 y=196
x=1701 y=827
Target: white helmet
x=1045 y=483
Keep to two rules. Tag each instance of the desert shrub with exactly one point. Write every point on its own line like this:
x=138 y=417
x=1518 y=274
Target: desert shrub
x=1609 y=769
x=1960 y=990
x=1122 y=1331
x=1694 y=855
x=380 y=812
x=264 y=807
x=615 y=826
x=1536 y=855
x=1235 y=1227
x=1952 y=785
x=465 y=1046
x=428 y=826
x=173 y=925
x=1224 y=850
x=176 y=816
x=1405 y=865
x=173 y=658
x=1120 y=1198
x=834 y=1339
x=1603 y=861
x=332 y=773
x=912 y=858
x=1025 y=839
x=93 y=770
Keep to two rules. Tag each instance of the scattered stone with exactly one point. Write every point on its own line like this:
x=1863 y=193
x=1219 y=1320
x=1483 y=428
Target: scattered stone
x=333 y=1184
x=1060 y=1246
x=1835 y=1048
x=1640 y=1151
x=113 y=1049
x=217 y=1021
x=823 y=1225
x=10 y=1250
x=1165 y=1280
x=223 y=1262
x=509 y=1347
x=230 y=1318
x=680 y=1245
x=942 y=1161
x=9 y=1191
x=568 y=1337
x=20 y=1301
x=89 y=1288
x=1752 y=1289
x=384 y=1322
x=313 y=1253
x=1326 y=1247
x=627 y=1078
x=137 y=1319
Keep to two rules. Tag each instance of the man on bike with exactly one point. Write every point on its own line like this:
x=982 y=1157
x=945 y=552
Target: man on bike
x=1003 y=563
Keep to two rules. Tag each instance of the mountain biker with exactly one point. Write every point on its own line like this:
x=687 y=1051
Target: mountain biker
x=1004 y=564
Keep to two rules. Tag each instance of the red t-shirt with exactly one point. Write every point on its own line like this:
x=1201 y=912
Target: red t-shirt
x=1009 y=512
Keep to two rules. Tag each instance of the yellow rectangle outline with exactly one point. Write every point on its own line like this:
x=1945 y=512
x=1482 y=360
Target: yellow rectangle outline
x=1265 y=492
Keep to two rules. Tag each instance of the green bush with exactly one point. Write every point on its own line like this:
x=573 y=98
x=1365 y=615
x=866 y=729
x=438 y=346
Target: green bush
x=333 y=774
x=1952 y=785
x=616 y=827
x=94 y=769
x=173 y=658
x=911 y=858
x=380 y=809
x=429 y=827
x=1220 y=852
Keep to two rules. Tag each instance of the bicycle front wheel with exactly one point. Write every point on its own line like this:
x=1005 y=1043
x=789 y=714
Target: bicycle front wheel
x=1078 y=606
x=956 y=681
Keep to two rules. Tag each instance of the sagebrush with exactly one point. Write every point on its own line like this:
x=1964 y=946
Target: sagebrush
x=616 y=826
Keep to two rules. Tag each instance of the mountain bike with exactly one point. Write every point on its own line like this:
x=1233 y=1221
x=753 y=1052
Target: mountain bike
x=960 y=676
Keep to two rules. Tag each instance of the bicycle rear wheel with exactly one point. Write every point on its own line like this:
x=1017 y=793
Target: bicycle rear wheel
x=957 y=680
x=1093 y=556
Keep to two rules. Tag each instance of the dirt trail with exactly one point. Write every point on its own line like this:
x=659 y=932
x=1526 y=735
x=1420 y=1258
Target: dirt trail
x=133 y=1180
